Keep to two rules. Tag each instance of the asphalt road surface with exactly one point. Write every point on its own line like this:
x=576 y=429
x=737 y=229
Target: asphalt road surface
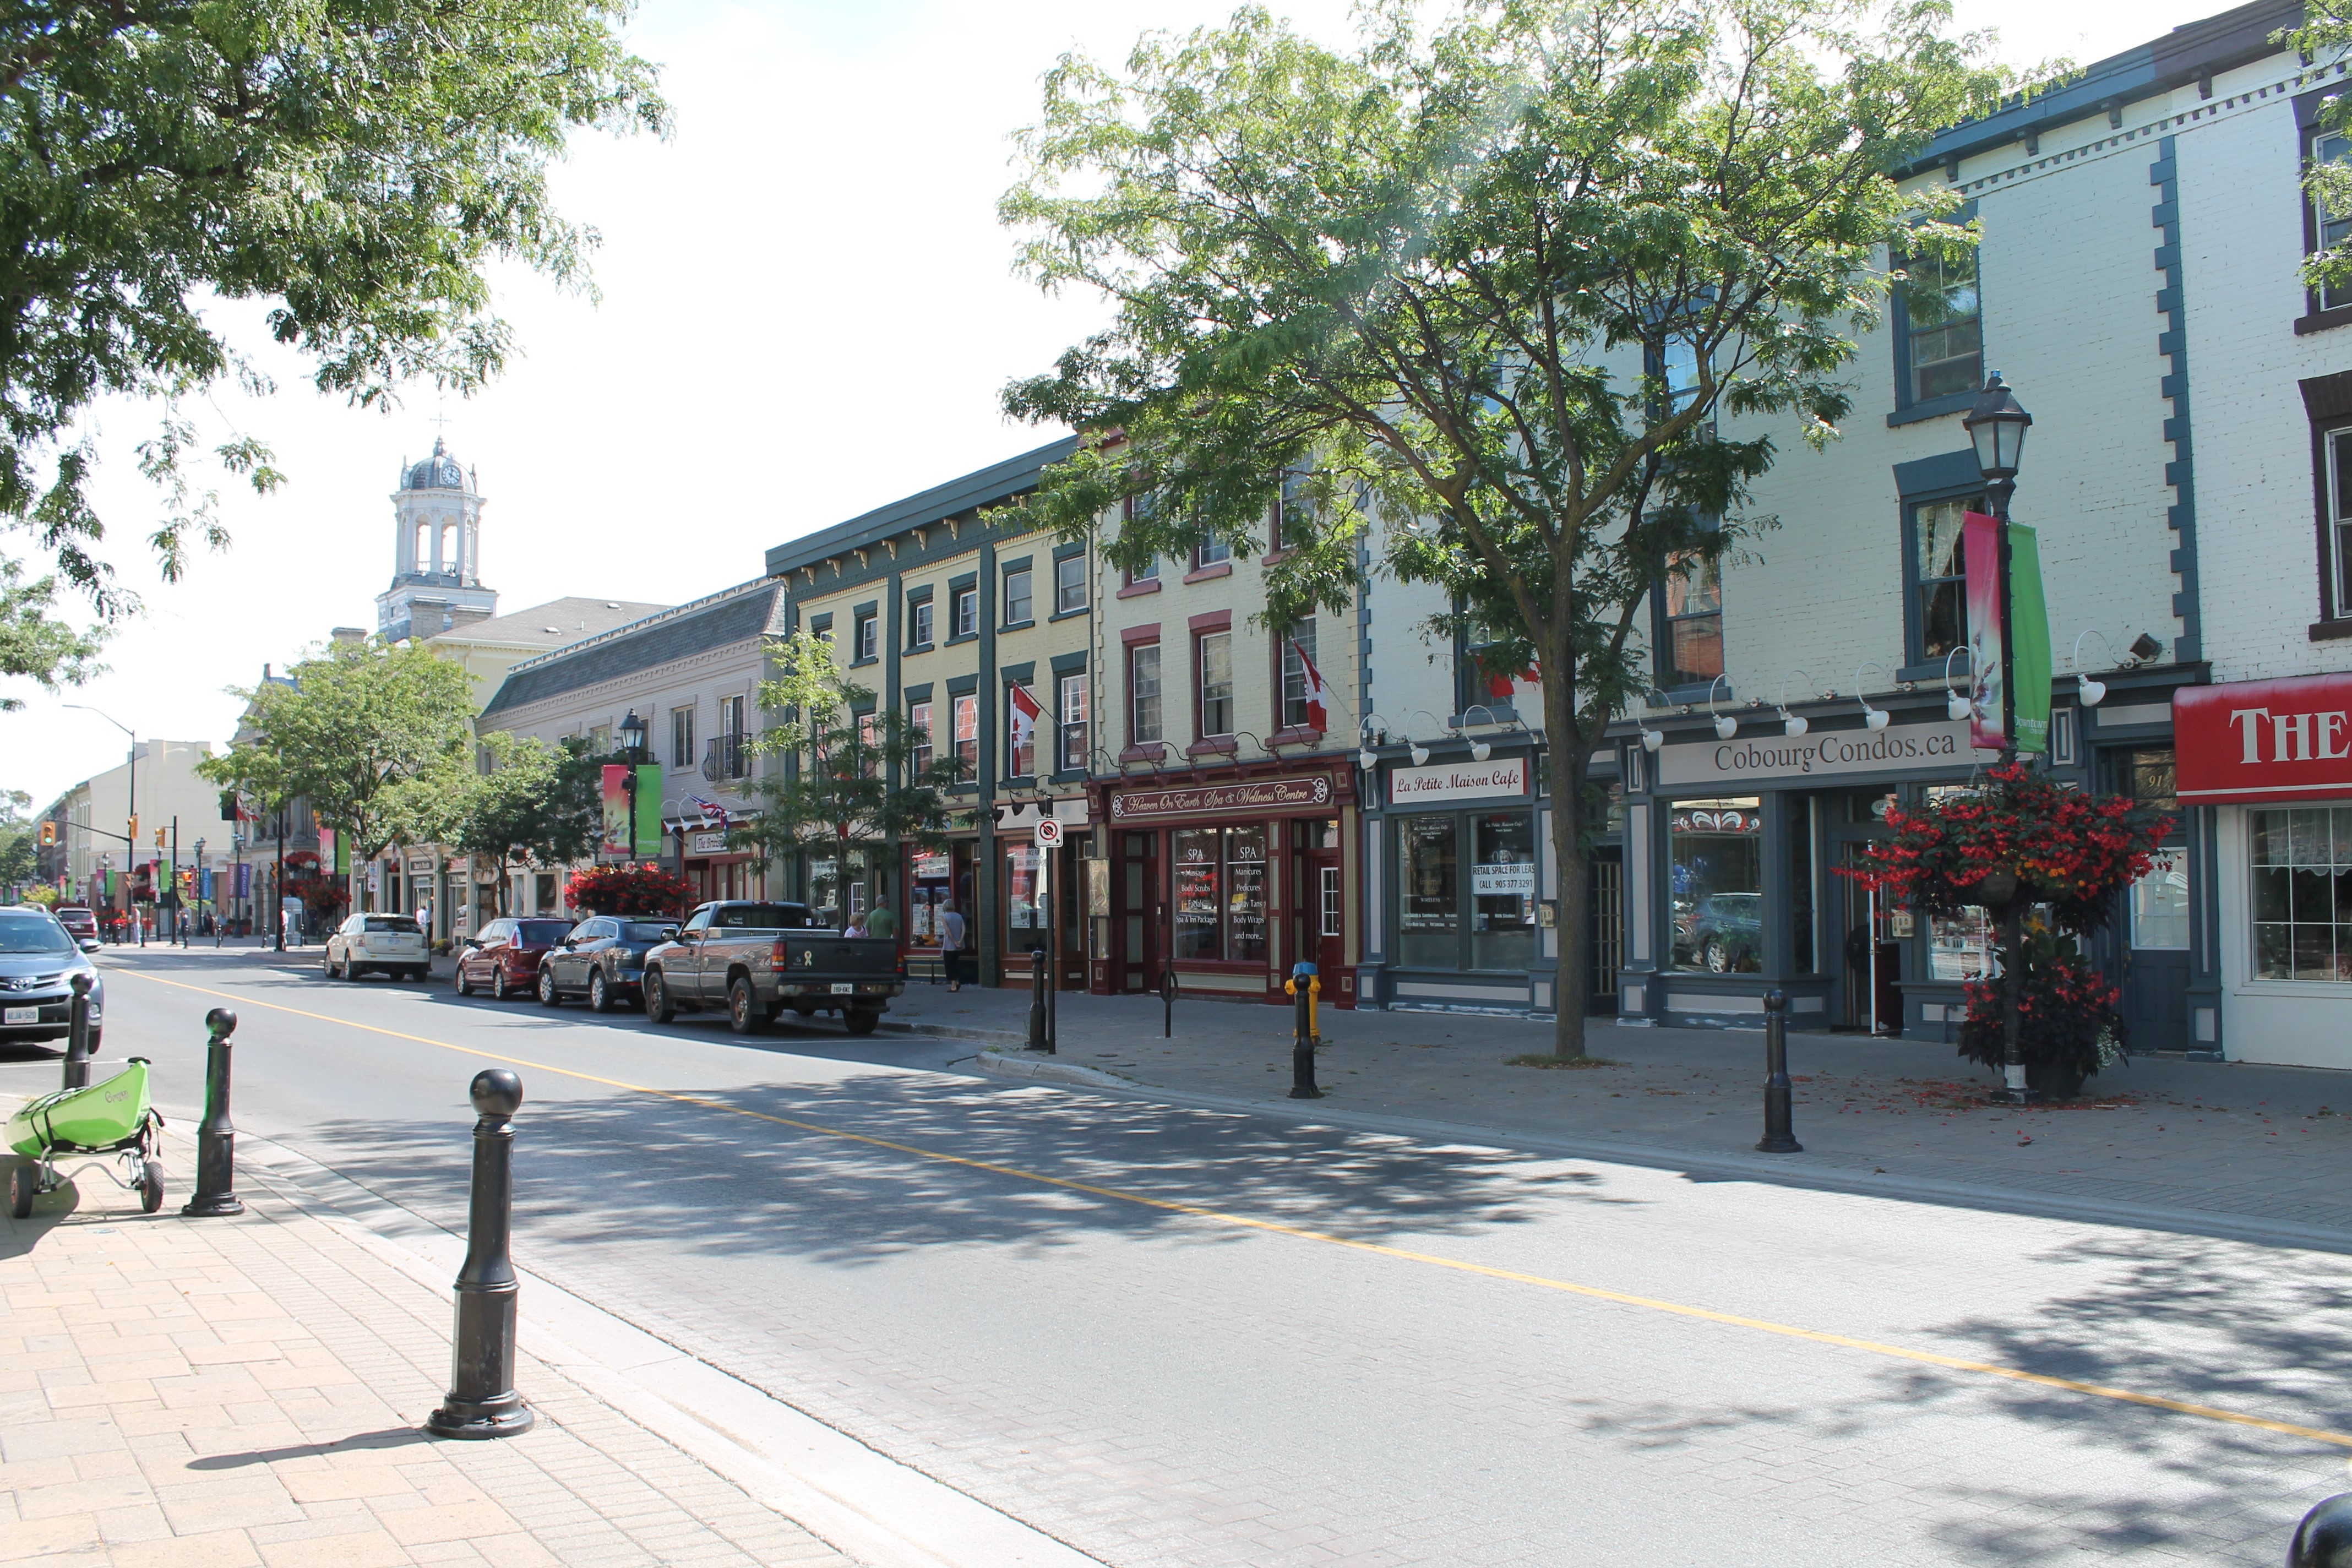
x=1175 y=1336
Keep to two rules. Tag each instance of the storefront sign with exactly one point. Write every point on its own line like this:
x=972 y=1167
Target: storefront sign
x=1273 y=794
x=1507 y=879
x=2255 y=740
x=706 y=844
x=1801 y=760
x=1453 y=781
x=420 y=865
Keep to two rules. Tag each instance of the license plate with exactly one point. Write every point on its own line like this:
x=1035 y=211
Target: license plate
x=22 y=1016
x=843 y=988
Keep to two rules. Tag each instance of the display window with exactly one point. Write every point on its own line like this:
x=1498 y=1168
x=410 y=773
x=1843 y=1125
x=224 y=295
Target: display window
x=928 y=881
x=1485 y=919
x=1025 y=910
x=1503 y=893
x=2303 y=886
x=1221 y=894
x=1715 y=863
x=1429 y=911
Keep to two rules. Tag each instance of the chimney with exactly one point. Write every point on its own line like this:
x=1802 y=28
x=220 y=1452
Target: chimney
x=352 y=635
x=467 y=615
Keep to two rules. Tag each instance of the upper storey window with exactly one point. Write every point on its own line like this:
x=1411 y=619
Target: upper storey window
x=1944 y=319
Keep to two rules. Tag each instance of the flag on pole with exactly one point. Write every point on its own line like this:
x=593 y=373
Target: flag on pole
x=1025 y=714
x=1318 y=696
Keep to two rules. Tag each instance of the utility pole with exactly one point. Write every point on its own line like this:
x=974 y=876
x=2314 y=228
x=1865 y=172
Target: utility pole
x=278 y=883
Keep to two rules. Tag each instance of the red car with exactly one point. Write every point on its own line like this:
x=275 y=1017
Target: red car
x=79 y=922
x=506 y=957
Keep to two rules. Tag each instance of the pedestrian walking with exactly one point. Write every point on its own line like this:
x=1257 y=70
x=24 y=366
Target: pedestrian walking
x=882 y=922
x=951 y=933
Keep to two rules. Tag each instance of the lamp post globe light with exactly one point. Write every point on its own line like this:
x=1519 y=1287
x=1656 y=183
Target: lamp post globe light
x=1997 y=428
x=632 y=746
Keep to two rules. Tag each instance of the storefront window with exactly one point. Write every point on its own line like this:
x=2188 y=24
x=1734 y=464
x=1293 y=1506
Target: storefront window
x=1503 y=893
x=2302 y=886
x=1801 y=887
x=2159 y=900
x=1198 y=864
x=926 y=897
x=825 y=887
x=1961 y=947
x=1716 y=855
x=1428 y=894
x=1245 y=908
x=1023 y=912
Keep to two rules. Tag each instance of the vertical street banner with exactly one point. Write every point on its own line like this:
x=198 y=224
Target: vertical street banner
x=243 y=880
x=344 y=855
x=616 y=809
x=648 y=825
x=2029 y=633
x=1980 y=554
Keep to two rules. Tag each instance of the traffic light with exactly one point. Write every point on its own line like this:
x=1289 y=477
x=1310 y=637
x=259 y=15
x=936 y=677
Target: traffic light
x=49 y=835
x=159 y=838
x=134 y=830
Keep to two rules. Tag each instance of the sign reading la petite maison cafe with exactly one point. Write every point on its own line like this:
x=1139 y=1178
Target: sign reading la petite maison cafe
x=1835 y=755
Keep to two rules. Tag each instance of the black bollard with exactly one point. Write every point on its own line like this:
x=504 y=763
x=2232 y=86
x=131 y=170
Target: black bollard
x=1301 y=986
x=482 y=1401
x=1168 y=1002
x=78 y=1033
x=2324 y=1539
x=1037 y=1000
x=1778 y=1137
x=215 y=1191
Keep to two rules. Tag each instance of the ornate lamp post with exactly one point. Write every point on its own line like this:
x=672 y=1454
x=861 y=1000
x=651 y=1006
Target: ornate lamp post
x=633 y=745
x=1996 y=427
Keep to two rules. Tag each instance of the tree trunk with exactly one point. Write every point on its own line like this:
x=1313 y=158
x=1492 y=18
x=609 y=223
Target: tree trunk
x=1574 y=925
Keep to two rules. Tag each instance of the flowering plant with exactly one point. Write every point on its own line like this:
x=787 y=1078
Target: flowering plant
x=2070 y=849
x=640 y=889
x=2069 y=1015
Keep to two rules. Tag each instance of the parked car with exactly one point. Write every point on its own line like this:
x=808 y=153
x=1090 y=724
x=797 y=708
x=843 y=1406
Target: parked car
x=78 y=921
x=506 y=955
x=1726 y=932
x=38 y=959
x=758 y=959
x=603 y=959
x=391 y=946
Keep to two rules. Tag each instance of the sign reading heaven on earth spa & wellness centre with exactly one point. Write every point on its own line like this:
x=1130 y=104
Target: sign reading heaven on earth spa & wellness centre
x=1836 y=755
x=1451 y=781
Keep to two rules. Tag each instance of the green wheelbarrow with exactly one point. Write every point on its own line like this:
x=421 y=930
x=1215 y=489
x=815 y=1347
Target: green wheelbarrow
x=111 y=1116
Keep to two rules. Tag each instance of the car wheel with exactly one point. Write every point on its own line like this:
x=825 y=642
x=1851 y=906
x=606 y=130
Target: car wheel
x=744 y=1014
x=327 y=966
x=860 y=1020
x=499 y=981
x=600 y=999
x=1715 y=958
x=548 y=996
x=659 y=1008
x=464 y=981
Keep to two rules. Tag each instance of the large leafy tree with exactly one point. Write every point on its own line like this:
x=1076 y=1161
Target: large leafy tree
x=854 y=775
x=350 y=166
x=375 y=738
x=19 y=845
x=1543 y=291
x=536 y=805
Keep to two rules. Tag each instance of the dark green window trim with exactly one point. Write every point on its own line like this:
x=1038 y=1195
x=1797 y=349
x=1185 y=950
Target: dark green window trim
x=1069 y=663
x=919 y=693
x=963 y=685
x=1020 y=674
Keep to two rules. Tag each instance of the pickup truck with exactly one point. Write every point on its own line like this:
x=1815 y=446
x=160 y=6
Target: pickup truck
x=758 y=959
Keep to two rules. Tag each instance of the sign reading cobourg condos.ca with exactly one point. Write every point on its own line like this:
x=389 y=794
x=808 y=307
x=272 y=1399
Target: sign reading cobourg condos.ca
x=1269 y=794
x=1832 y=755
x=1447 y=781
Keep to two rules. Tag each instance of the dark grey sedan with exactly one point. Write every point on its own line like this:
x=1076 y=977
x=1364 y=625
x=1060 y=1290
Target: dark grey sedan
x=603 y=959
x=38 y=959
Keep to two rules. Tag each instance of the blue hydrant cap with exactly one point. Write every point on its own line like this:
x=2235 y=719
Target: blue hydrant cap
x=1302 y=968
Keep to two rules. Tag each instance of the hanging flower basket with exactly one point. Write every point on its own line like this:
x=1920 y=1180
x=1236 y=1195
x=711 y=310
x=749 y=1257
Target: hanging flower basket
x=628 y=890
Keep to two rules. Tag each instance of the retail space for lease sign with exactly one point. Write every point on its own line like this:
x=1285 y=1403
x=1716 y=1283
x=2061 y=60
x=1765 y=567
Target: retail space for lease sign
x=1833 y=757
x=1458 y=781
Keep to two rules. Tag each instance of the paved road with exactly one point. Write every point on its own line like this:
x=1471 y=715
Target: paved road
x=1500 y=1376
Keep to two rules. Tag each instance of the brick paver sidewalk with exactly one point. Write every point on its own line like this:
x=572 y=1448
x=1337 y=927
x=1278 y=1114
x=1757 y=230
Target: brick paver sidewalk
x=249 y=1391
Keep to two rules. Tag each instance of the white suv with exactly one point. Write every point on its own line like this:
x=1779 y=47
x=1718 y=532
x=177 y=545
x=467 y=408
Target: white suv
x=393 y=944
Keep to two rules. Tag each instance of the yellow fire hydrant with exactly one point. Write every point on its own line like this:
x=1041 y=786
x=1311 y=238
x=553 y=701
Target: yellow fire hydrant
x=1305 y=1033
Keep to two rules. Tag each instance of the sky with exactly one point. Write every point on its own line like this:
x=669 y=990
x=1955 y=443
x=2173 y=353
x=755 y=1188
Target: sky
x=807 y=310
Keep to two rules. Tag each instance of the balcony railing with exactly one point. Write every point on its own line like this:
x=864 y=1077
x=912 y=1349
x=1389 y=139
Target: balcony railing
x=726 y=757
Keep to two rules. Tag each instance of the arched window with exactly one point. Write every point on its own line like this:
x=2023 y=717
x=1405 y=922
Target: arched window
x=417 y=547
x=446 y=558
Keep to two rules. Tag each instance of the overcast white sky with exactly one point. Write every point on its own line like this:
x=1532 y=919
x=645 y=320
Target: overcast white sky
x=807 y=311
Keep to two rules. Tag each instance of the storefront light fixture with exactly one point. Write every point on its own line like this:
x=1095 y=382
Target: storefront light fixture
x=2088 y=691
x=1872 y=718
x=1956 y=701
x=1791 y=724
x=1371 y=732
x=1421 y=751
x=1652 y=739
x=1419 y=754
x=1725 y=726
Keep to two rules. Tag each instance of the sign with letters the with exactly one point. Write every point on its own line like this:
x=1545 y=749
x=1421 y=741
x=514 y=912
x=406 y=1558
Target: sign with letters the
x=2251 y=742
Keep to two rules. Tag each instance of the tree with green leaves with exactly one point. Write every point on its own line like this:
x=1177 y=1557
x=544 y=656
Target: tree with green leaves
x=351 y=168
x=2326 y=35
x=537 y=805
x=1530 y=300
x=20 y=850
x=376 y=738
x=853 y=774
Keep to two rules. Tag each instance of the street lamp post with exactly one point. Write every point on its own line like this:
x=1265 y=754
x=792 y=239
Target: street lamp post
x=199 y=876
x=1996 y=427
x=278 y=880
x=633 y=745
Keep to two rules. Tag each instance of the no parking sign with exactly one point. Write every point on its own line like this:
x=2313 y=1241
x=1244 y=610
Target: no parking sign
x=1049 y=833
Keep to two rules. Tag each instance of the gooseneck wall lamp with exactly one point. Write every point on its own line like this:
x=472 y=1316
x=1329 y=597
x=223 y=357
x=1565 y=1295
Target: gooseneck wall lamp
x=1725 y=726
x=2088 y=691
x=1872 y=718
x=1956 y=701
x=1791 y=724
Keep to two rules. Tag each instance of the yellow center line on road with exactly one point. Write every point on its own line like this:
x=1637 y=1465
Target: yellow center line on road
x=1117 y=1195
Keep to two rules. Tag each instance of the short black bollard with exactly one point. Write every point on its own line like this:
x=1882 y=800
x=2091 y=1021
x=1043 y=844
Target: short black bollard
x=78 y=1033
x=1168 y=1002
x=1037 y=1000
x=1778 y=1139
x=482 y=1401
x=215 y=1191
x=2324 y=1539
x=1301 y=986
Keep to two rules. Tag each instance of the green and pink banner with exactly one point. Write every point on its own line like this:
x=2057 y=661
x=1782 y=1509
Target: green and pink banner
x=2026 y=632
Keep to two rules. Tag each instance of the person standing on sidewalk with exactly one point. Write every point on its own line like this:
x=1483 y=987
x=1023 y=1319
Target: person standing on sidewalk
x=952 y=929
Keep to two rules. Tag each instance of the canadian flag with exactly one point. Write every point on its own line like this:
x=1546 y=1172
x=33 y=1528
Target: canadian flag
x=1318 y=696
x=1025 y=714
x=1501 y=687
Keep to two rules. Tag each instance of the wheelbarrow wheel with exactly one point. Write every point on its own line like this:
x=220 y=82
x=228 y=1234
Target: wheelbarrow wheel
x=24 y=1186
x=151 y=1186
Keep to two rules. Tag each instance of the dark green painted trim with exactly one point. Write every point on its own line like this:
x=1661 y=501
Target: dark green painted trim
x=1070 y=615
x=918 y=595
x=1021 y=674
x=916 y=693
x=1017 y=563
x=958 y=584
x=1069 y=663
x=1934 y=408
x=963 y=685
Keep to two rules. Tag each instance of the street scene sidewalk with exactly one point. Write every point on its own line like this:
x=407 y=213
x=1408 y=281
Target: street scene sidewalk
x=250 y=1392
x=2262 y=1148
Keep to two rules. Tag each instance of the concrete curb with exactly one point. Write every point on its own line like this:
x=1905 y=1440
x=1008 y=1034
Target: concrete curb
x=957 y=1032
x=1047 y=1069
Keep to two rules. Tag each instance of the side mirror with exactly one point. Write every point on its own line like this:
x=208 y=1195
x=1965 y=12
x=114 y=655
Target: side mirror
x=88 y=945
x=670 y=933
